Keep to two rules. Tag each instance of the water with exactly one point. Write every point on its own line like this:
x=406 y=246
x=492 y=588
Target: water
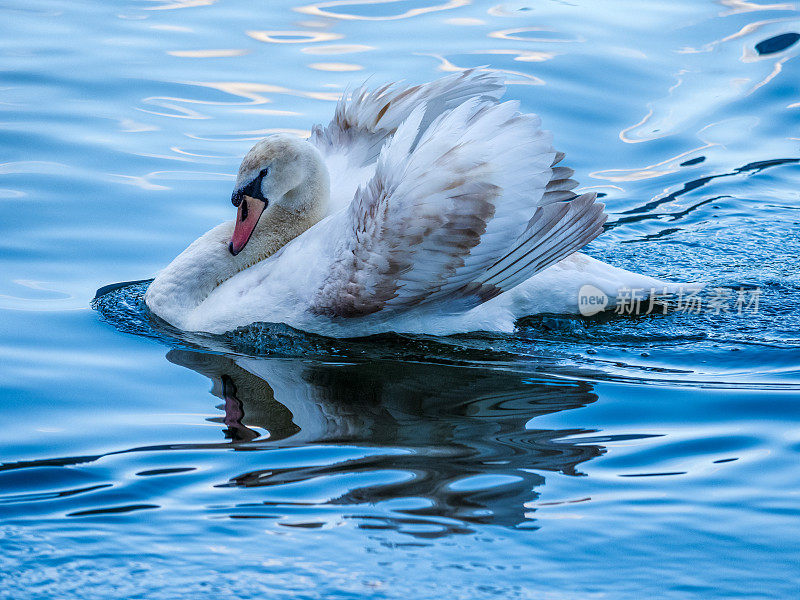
x=614 y=456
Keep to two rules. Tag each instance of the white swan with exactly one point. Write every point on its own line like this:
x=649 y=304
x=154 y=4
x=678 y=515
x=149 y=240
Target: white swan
x=432 y=209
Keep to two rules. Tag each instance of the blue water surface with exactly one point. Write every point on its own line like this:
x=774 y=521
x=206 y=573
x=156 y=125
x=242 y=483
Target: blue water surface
x=605 y=457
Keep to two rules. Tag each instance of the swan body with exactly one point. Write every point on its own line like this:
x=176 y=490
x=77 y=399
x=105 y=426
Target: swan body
x=429 y=209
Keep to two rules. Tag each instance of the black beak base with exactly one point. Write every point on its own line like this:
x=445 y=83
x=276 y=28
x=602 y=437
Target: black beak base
x=252 y=189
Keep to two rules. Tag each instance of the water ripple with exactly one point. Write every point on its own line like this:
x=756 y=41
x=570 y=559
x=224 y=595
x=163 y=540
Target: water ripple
x=141 y=461
x=322 y=9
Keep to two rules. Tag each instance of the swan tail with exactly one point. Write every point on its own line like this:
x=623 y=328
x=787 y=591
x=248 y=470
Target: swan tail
x=565 y=286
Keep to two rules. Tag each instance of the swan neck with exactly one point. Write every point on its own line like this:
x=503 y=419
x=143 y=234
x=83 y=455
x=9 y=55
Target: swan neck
x=299 y=209
x=277 y=228
x=186 y=282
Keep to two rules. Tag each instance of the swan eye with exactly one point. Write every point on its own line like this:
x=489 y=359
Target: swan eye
x=264 y=173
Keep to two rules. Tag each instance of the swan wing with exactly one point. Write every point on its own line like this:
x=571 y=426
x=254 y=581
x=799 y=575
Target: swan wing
x=365 y=119
x=455 y=214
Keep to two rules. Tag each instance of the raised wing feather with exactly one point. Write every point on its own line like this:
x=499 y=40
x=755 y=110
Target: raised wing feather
x=365 y=120
x=458 y=212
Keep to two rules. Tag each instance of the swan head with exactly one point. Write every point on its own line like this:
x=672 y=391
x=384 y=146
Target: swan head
x=282 y=177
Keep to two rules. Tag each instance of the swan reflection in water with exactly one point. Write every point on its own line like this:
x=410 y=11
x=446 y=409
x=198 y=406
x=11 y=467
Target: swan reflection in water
x=464 y=439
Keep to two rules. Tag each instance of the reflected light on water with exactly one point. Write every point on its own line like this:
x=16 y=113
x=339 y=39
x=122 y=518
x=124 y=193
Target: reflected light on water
x=269 y=112
x=208 y=53
x=744 y=6
x=522 y=55
x=242 y=136
x=175 y=4
x=694 y=93
x=776 y=69
x=337 y=49
x=319 y=9
x=516 y=34
x=167 y=27
x=746 y=30
x=516 y=77
x=39 y=296
x=145 y=182
x=464 y=21
x=252 y=93
x=335 y=67
x=178 y=111
x=664 y=167
x=293 y=37
x=510 y=10
x=131 y=126
x=33 y=167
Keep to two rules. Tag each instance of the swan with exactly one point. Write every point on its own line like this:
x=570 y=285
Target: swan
x=434 y=208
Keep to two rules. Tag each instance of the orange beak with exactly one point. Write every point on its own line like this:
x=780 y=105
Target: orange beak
x=247 y=216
